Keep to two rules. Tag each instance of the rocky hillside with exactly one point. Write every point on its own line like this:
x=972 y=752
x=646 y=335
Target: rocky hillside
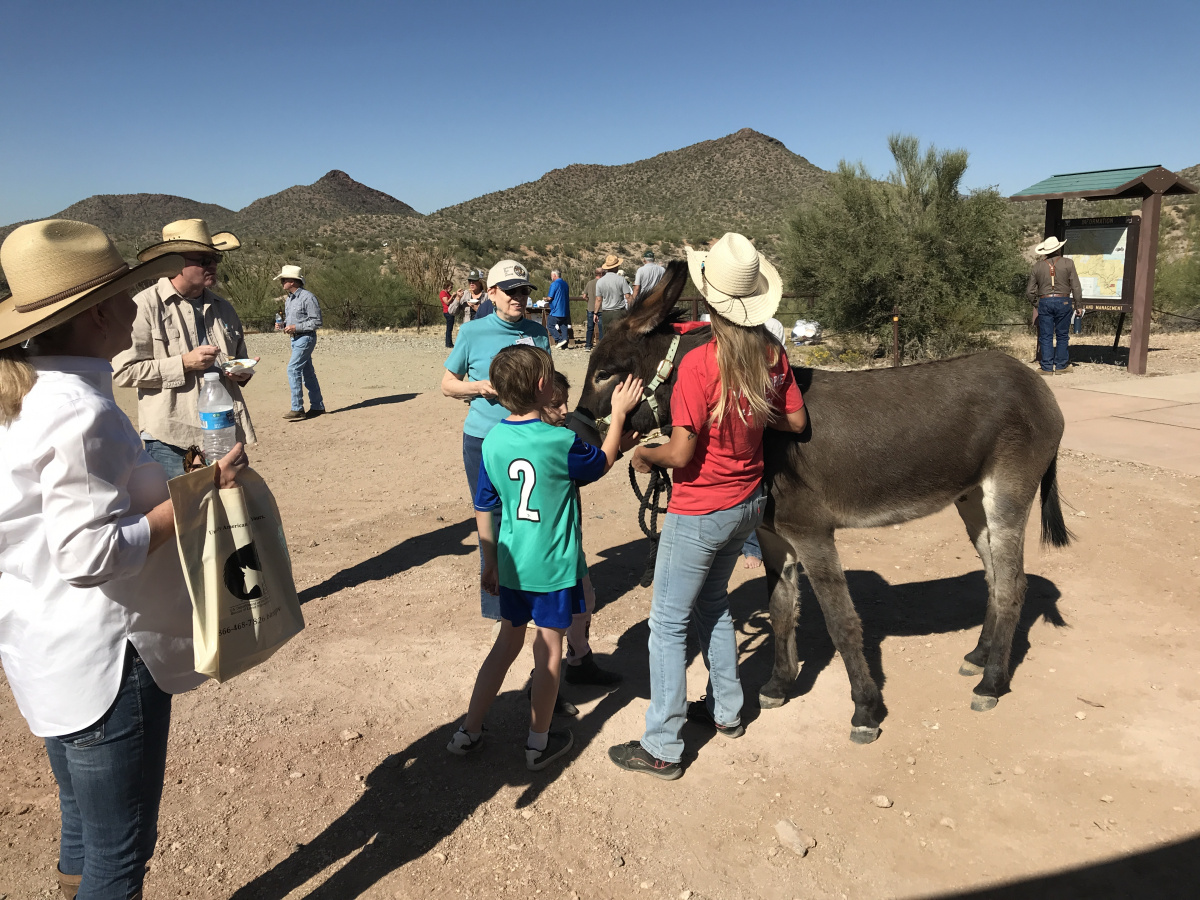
x=308 y=206
x=746 y=181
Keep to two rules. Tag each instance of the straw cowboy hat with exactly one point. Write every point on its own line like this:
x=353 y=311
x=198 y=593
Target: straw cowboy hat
x=736 y=280
x=57 y=269
x=611 y=262
x=290 y=272
x=1048 y=246
x=190 y=236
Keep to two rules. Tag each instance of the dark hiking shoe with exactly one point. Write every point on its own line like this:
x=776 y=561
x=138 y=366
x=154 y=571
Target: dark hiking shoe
x=698 y=712
x=313 y=413
x=1046 y=372
x=296 y=415
x=587 y=672
x=632 y=757
x=462 y=745
x=1067 y=368
x=557 y=743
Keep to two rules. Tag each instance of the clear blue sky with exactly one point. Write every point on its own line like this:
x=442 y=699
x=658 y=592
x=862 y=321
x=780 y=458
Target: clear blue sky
x=436 y=103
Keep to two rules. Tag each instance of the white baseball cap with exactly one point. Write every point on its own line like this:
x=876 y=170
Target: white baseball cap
x=508 y=274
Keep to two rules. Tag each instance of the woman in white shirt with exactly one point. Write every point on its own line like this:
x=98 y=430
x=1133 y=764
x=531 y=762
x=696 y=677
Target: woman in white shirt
x=95 y=620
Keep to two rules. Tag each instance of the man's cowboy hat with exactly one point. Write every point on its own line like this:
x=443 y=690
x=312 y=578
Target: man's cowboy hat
x=292 y=273
x=611 y=262
x=57 y=269
x=1048 y=246
x=736 y=280
x=190 y=236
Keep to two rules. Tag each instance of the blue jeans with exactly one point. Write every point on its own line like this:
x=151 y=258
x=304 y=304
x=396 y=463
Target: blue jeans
x=300 y=371
x=1054 y=325
x=696 y=556
x=558 y=328
x=489 y=604
x=168 y=455
x=593 y=325
x=110 y=781
x=751 y=547
x=449 y=317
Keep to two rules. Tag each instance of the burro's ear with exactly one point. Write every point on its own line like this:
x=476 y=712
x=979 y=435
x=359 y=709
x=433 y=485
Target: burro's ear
x=657 y=306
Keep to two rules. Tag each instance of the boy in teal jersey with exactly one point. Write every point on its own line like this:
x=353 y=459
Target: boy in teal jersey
x=536 y=565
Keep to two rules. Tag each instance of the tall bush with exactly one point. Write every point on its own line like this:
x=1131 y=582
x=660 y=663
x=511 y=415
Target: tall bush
x=356 y=293
x=948 y=260
x=248 y=283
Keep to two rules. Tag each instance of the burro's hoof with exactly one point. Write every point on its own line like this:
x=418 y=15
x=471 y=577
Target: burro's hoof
x=981 y=703
x=969 y=669
x=864 y=734
x=770 y=701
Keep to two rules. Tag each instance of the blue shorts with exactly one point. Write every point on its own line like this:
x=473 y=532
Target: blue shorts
x=550 y=610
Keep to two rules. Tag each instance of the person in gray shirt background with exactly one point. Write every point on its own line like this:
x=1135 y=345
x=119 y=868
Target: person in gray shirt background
x=646 y=277
x=613 y=293
x=302 y=318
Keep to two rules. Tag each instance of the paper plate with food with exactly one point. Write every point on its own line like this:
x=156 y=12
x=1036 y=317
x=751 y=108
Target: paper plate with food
x=238 y=366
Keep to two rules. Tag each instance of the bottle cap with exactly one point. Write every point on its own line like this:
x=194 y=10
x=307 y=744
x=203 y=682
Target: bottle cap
x=212 y=376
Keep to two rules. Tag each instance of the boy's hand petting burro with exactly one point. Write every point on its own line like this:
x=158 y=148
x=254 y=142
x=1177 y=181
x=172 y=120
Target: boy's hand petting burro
x=625 y=399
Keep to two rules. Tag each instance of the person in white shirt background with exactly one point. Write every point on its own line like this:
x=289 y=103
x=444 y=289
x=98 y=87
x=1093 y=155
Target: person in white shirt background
x=95 y=619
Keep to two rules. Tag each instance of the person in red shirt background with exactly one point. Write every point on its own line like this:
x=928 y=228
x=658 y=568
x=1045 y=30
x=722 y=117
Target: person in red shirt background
x=726 y=392
x=445 y=297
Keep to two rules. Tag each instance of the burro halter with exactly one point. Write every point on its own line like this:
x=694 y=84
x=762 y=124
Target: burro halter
x=666 y=366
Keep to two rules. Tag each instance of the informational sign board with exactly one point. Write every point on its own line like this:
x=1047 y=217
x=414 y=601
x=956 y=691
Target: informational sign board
x=1104 y=250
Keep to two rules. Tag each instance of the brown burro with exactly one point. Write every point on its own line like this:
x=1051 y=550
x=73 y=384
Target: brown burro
x=883 y=447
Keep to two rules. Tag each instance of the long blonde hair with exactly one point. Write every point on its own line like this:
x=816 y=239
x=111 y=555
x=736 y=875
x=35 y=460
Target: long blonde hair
x=745 y=356
x=16 y=380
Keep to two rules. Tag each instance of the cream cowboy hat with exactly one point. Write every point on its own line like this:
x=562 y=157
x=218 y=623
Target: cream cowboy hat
x=611 y=262
x=736 y=280
x=190 y=236
x=57 y=269
x=1048 y=246
x=290 y=272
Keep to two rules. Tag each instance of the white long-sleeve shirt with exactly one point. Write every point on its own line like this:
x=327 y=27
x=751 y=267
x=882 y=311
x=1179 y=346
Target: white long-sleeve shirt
x=76 y=580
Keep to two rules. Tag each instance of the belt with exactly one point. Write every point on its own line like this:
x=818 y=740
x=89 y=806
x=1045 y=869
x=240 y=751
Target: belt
x=299 y=334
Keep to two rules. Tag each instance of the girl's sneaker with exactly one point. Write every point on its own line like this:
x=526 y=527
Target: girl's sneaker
x=557 y=743
x=462 y=745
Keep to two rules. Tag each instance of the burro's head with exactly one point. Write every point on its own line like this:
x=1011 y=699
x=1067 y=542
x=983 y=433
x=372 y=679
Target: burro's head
x=633 y=346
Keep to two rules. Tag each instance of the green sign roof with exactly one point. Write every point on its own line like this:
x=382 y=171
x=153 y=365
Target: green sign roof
x=1086 y=182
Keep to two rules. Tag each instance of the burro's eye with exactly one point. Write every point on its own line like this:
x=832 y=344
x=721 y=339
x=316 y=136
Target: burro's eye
x=602 y=376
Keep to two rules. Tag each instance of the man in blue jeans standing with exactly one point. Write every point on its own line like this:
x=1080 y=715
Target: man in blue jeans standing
x=560 y=309
x=1052 y=283
x=302 y=318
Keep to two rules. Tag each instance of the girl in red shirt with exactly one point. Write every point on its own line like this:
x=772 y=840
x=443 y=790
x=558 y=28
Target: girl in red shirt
x=444 y=296
x=726 y=392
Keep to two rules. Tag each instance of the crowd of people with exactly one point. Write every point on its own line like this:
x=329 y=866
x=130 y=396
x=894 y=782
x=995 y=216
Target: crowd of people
x=95 y=619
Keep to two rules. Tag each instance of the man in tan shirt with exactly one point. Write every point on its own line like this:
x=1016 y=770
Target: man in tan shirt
x=183 y=330
x=1052 y=283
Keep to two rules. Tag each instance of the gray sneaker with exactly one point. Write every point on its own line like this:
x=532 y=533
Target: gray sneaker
x=557 y=743
x=462 y=745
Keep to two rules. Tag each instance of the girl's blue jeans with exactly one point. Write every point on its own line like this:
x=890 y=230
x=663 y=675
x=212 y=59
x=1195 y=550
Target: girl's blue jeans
x=696 y=556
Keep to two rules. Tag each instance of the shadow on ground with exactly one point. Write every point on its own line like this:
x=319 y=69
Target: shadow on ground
x=1161 y=872
x=375 y=401
x=408 y=554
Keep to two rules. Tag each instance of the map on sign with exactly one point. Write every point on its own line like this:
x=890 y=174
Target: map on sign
x=1099 y=256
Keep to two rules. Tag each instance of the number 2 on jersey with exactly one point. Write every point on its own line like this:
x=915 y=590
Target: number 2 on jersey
x=522 y=470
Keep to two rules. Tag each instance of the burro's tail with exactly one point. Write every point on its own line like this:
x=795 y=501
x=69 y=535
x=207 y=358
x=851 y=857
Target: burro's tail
x=1054 y=529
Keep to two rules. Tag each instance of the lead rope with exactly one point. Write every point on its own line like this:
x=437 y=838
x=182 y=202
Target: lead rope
x=650 y=505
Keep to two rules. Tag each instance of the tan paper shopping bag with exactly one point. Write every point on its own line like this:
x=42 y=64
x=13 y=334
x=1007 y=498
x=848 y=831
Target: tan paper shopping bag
x=238 y=571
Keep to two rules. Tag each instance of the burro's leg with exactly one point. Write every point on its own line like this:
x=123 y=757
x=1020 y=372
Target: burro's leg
x=818 y=554
x=783 y=586
x=970 y=507
x=1007 y=512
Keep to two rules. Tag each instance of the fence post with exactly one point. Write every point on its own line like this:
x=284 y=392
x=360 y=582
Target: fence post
x=896 y=336
x=695 y=309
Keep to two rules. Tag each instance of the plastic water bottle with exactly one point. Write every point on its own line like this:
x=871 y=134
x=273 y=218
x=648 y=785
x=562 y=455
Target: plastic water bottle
x=216 y=418
x=279 y=321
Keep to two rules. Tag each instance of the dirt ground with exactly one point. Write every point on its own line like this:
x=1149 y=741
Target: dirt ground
x=323 y=772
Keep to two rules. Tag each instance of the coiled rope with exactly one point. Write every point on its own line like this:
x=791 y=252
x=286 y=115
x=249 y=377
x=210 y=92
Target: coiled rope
x=650 y=505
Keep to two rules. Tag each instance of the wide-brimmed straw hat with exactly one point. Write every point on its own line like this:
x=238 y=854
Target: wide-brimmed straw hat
x=611 y=262
x=1048 y=246
x=292 y=273
x=736 y=280
x=57 y=268
x=190 y=236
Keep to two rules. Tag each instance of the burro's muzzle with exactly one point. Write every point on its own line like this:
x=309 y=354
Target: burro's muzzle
x=583 y=423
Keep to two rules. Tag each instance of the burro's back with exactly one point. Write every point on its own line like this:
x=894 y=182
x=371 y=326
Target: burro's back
x=890 y=445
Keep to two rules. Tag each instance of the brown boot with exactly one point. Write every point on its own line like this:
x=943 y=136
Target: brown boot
x=68 y=885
